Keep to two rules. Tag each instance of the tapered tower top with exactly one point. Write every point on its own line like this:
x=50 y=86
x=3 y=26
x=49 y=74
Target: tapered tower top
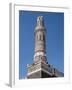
x=40 y=23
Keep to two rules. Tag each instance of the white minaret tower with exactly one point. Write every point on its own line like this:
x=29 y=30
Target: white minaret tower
x=40 y=44
x=40 y=67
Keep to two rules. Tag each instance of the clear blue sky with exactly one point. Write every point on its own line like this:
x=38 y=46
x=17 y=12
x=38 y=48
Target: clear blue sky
x=54 y=23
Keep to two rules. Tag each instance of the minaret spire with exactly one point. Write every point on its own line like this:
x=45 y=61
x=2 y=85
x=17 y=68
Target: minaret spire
x=40 y=44
x=40 y=21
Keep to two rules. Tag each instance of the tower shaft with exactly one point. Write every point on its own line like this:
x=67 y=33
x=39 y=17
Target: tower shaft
x=40 y=44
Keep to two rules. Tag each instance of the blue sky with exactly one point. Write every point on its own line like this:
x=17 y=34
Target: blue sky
x=54 y=23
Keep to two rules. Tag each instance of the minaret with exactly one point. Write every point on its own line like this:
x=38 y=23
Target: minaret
x=40 y=41
x=40 y=67
x=37 y=69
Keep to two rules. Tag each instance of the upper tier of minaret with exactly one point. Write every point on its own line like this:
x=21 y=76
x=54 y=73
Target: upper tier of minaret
x=40 y=23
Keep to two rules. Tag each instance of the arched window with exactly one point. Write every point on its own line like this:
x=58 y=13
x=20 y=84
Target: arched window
x=37 y=37
x=43 y=37
x=40 y=37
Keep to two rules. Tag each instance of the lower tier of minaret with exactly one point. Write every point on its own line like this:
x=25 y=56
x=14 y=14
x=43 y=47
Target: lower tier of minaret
x=40 y=57
x=42 y=70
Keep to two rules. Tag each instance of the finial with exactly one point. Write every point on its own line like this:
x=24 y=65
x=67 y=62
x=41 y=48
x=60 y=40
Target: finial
x=40 y=21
